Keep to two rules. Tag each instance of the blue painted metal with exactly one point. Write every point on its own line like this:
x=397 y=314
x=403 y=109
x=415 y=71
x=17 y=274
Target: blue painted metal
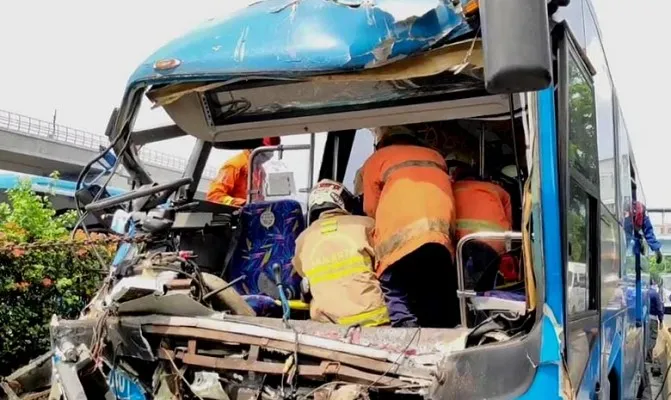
x=126 y=248
x=554 y=270
x=618 y=369
x=639 y=289
x=107 y=162
x=592 y=373
x=298 y=37
x=617 y=344
x=632 y=332
x=546 y=383
x=125 y=387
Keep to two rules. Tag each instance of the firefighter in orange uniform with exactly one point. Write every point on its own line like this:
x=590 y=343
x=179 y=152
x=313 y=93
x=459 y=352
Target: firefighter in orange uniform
x=336 y=258
x=482 y=206
x=407 y=190
x=230 y=185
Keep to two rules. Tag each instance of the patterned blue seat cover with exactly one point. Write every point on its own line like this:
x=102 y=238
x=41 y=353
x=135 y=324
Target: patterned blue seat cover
x=269 y=233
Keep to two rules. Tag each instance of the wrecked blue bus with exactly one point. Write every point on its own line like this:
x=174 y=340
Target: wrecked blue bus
x=525 y=82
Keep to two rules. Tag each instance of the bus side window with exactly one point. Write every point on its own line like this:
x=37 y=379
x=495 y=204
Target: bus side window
x=362 y=148
x=581 y=185
x=581 y=201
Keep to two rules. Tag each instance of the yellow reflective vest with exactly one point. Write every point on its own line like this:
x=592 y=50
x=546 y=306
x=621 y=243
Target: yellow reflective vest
x=336 y=257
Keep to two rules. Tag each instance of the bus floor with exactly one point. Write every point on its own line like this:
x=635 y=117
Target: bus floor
x=654 y=385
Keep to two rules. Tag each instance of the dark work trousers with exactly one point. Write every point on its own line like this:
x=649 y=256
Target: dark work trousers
x=654 y=328
x=421 y=289
x=482 y=266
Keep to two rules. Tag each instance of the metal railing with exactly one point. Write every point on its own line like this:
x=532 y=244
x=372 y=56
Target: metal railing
x=462 y=293
x=24 y=125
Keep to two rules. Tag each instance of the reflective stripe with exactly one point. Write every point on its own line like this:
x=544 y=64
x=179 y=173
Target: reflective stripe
x=478 y=225
x=411 y=163
x=339 y=274
x=417 y=228
x=338 y=270
x=376 y=317
x=329 y=225
x=479 y=188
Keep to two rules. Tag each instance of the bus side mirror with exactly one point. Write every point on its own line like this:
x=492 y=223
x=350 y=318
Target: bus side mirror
x=516 y=45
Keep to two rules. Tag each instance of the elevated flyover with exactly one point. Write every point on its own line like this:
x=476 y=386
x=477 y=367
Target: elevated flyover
x=38 y=147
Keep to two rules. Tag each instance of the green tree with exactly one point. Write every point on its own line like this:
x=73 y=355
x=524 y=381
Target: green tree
x=36 y=284
x=583 y=151
x=583 y=156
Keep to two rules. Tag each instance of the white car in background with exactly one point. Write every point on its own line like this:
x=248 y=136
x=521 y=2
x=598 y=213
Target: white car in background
x=577 y=287
x=666 y=291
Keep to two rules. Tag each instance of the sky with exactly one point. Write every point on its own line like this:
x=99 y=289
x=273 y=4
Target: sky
x=75 y=56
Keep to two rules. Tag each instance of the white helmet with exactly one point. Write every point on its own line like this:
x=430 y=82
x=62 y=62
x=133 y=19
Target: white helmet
x=328 y=195
x=358 y=182
x=388 y=131
x=509 y=171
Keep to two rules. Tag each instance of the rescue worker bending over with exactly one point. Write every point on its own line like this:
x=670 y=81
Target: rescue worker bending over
x=334 y=254
x=407 y=190
x=230 y=185
x=637 y=221
x=481 y=207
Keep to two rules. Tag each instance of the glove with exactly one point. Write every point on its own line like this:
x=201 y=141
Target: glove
x=660 y=257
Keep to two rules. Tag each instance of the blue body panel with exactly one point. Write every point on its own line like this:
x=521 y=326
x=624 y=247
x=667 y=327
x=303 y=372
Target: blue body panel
x=295 y=37
x=546 y=383
x=619 y=346
x=554 y=269
x=124 y=386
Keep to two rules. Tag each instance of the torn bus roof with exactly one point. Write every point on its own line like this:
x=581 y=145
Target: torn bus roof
x=460 y=57
x=238 y=101
x=302 y=37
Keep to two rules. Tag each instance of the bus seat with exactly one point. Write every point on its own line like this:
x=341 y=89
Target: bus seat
x=268 y=237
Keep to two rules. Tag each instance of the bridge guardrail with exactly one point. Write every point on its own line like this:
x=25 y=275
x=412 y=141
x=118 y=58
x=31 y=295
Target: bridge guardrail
x=29 y=126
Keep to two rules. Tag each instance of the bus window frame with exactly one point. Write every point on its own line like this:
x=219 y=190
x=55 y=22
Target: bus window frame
x=338 y=143
x=567 y=49
x=195 y=167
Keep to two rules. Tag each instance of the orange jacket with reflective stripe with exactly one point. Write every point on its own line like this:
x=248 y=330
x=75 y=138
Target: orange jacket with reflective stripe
x=230 y=185
x=409 y=193
x=482 y=207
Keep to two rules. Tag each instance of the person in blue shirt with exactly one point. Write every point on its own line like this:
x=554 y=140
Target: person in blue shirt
x=637 y=220
x=656 y=311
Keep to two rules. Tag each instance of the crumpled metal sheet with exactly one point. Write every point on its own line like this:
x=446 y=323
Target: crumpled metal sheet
x=127 y=339
x=206 y=385
x=169 y=304
x=303 y=37
x=465 y=56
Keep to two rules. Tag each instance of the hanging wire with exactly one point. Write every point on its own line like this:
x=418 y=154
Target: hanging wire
x=511 y=104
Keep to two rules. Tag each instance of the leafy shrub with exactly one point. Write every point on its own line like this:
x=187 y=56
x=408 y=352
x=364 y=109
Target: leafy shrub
x=39 y=282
